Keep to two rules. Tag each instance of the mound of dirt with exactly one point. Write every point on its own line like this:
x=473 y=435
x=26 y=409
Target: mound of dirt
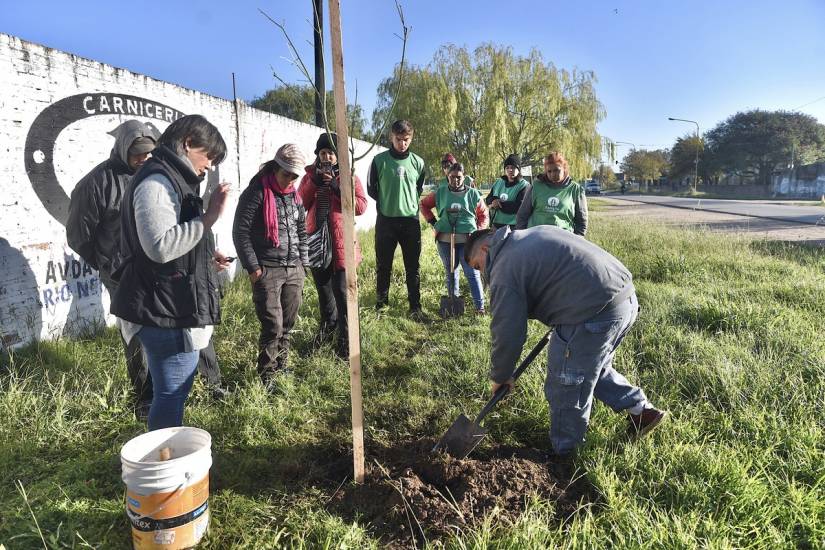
x=411 y=495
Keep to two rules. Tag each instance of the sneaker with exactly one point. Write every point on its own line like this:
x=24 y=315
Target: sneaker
x=219 y=393
x=381 y=304
x=643 y=423
x=481 y=311
x=418 y=315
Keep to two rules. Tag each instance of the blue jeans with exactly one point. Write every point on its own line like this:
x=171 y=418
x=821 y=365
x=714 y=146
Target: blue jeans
x=472 y=275
x=173 y=371
x=580 y=367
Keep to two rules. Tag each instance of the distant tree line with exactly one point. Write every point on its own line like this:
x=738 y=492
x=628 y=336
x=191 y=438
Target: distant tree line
x=751 y=146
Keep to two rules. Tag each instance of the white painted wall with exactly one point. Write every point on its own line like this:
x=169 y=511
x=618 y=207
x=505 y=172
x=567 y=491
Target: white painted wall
x=56 y=110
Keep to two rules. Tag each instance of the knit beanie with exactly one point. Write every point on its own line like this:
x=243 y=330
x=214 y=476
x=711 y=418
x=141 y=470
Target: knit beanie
x=290 y=158
x=513 y=160
x=327 y=141
x=448 y=157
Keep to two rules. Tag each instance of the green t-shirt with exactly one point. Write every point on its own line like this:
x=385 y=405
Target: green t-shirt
x=504 y=194
x=554 y=205
x=397 y=189
x=466 y=201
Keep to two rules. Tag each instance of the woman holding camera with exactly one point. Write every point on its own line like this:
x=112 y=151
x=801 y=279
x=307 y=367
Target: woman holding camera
x=320 y=192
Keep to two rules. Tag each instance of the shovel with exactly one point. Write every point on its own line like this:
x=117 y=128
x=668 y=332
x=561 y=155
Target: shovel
x=464 y=435
x=452 y=305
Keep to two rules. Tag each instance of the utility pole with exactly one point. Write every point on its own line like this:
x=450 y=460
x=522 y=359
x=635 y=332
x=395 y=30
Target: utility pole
x=320 y=84
x=696 y=162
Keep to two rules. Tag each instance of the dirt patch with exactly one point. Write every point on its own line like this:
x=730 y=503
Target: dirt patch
x=411 y=496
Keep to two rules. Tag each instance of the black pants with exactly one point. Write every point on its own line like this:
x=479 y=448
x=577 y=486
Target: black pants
x=332 y=297
x=277 y=298
x=390 y=232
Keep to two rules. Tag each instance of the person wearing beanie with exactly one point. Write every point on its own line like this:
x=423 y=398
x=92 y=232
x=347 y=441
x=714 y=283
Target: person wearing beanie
x=396 y=179
x=554 y=199
x=320 y=192
x=507 y=194
x=472 y=215
x=270 y=237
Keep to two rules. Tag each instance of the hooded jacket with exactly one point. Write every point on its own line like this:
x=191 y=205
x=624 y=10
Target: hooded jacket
x=93 y=226
x=309 y=190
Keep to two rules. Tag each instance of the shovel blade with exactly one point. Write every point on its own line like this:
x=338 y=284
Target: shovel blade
x=451 y=307
x=462 y=437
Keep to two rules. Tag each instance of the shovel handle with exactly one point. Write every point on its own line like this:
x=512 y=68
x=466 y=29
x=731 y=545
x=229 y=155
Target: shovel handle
x=503 y=390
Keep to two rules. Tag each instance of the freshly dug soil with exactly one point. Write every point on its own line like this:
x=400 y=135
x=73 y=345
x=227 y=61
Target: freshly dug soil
x=411 y=495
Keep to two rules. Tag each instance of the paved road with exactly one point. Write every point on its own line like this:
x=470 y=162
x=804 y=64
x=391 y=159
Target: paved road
x=809 y=215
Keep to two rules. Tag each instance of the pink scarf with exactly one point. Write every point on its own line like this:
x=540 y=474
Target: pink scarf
x=270 y=183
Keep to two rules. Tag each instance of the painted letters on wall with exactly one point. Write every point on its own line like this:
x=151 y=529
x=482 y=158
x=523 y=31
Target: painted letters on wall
x=58 y=116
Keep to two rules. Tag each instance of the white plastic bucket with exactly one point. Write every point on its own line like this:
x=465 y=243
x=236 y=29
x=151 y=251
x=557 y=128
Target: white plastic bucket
x=167 y=500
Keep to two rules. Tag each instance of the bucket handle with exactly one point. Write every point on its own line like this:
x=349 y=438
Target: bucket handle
x=163 y=505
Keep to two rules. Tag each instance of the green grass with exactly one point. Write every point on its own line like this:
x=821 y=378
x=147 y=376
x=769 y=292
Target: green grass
x=729 y=340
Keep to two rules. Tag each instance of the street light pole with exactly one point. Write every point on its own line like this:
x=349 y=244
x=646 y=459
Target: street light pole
x=696 y=162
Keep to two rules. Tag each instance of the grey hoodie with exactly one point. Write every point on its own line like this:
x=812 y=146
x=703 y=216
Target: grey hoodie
x=548 y=274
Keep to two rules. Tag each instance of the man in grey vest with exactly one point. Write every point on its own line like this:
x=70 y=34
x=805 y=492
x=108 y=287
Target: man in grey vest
x=567 y=282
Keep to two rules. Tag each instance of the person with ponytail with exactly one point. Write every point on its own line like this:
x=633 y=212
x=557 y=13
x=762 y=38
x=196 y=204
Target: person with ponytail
x=270 y=238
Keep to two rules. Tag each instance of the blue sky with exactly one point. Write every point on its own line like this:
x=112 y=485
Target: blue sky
x=695 y=59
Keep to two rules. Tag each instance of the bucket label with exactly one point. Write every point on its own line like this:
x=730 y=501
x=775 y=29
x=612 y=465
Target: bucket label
x=146 y=524
x=133 y=503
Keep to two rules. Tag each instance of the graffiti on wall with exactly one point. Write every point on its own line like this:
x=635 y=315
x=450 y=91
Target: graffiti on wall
x=68 y=288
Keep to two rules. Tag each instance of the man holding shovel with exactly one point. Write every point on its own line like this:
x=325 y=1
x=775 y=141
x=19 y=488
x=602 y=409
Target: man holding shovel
x=567 y=282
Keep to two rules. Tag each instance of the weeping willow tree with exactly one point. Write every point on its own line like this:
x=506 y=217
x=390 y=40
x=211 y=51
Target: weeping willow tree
x=488 y=103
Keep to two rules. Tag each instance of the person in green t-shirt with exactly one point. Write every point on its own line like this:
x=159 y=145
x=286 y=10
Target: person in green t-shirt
x=554 y=199
x=396 y=180
x=507 y=194
x=471 y=215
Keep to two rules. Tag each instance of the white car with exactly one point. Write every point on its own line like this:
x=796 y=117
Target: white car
x=592 y=188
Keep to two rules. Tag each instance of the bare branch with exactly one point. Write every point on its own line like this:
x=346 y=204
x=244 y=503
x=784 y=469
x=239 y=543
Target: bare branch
x=405 y=31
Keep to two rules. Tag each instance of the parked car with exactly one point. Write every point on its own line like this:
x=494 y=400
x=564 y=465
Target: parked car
x=592 y=188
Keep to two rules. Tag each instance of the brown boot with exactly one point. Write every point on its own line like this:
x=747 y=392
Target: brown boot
x=643 y=423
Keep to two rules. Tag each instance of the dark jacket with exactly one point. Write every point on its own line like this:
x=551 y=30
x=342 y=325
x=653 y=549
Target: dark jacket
x=183 y=292
x=249 y=230
x=93 y=226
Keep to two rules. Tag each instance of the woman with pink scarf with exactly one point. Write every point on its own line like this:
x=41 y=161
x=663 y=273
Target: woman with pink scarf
x=270 y=239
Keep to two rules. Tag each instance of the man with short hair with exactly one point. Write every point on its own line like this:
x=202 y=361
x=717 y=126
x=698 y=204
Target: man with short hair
x=567 y=282
x=396 y=179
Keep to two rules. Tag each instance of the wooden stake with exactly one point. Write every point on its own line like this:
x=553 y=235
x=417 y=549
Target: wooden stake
x=348 y=211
